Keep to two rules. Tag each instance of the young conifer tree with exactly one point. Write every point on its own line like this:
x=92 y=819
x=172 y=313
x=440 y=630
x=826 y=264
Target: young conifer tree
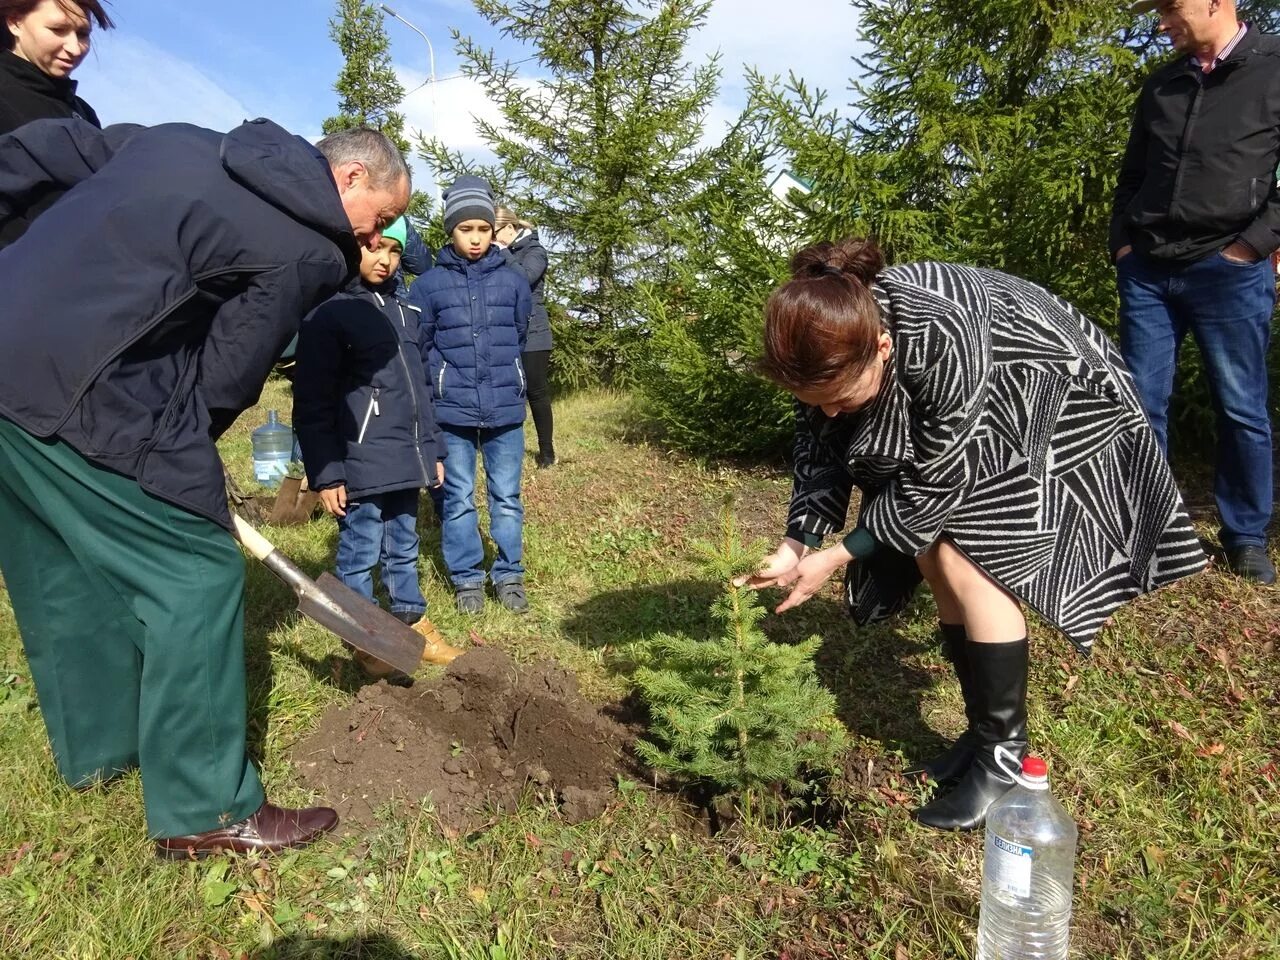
x=738 y=712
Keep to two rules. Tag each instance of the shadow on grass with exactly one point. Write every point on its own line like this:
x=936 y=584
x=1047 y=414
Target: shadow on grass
x=877 y=689
x=374 y=946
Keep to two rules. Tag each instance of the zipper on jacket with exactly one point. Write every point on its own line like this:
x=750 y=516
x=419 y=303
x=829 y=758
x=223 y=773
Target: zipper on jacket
x=370 y=411
x=413 y=398
x=1192 y=115
x=524 y=386
x=444 y=365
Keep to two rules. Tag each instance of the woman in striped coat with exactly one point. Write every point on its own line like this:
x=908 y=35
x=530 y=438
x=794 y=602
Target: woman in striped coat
x=1002 y=456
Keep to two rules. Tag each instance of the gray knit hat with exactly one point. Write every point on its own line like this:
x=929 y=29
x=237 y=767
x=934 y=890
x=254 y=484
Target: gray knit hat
x=468 y=198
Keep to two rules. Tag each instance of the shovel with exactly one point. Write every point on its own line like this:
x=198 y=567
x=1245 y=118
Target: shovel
x=336 y=607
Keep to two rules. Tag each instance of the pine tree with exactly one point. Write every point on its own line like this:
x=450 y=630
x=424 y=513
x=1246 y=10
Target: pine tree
x=601 y=152
x=368 y=89
x=739 y=713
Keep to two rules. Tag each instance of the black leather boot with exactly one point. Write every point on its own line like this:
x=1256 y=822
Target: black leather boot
x=952 y=764
x=999 y=673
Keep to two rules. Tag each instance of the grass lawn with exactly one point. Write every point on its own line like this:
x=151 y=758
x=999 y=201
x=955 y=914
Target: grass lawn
x=1163 y=747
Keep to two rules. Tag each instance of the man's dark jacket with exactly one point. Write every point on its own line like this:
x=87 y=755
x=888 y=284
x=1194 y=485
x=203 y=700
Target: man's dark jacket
x=143 y=311
x=361 y=401
x=1200 y=168
x=27 y=93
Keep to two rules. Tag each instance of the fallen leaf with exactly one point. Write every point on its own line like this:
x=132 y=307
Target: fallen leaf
x=532 y=841
x=1072 y=681
x=1181 y=731
x=900 y=953
x=475 y=638
x=1211 y=751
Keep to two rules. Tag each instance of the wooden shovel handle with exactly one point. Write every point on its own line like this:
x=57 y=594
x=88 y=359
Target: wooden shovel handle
x=253 y=541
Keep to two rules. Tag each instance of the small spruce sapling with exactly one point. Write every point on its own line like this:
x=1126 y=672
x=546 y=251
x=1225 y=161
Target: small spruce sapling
x=737 y=712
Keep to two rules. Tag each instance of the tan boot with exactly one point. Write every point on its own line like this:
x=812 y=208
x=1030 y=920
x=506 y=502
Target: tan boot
x=376 y=669
x=436 y=650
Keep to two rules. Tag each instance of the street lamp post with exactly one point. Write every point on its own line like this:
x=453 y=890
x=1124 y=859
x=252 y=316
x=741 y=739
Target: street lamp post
x=435 y=119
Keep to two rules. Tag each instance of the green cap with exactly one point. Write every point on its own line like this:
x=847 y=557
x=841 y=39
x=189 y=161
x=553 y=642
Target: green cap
x=398 y=231
x=1143 y=6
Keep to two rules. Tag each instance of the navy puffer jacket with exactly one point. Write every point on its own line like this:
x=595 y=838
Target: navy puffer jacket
x=361 y=404
x=144 y=309
x=475 y=316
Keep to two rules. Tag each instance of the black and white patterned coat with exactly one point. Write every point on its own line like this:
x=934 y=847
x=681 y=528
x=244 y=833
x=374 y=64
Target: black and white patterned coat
x=1008 y=424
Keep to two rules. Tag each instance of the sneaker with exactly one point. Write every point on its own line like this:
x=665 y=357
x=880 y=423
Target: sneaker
x=544 y=460
x=1251 y=562
x=469 y=599
x=512 y=596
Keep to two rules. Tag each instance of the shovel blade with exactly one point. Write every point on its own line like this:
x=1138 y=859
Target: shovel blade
x=364 y=625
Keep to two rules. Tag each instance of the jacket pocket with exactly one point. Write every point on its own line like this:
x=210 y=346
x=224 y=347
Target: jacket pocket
x=524 y=384
x=444 y=365
x=370 y=411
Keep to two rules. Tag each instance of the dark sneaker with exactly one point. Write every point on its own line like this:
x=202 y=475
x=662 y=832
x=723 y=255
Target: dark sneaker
x=470 y=599
x=544 y=460
x=512 y=596
x=1252 y=563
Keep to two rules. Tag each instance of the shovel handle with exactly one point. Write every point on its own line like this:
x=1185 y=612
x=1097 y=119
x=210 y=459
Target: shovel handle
x=253 y=541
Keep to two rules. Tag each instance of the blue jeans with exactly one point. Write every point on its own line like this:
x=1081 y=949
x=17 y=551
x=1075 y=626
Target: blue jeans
x=1227 y=307
x=383 y=527
x=503 y=451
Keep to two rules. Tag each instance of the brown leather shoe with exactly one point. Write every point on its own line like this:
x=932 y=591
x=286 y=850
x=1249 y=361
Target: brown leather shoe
x=270 y=830
x=436 y=650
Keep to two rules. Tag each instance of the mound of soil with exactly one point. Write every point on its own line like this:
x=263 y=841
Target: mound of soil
x=472 y=741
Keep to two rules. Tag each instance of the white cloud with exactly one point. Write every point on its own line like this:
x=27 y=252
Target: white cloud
x=458 y=102
x=129 y=80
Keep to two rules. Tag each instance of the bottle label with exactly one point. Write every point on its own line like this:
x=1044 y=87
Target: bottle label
x=270 y=471
x=1009 y=866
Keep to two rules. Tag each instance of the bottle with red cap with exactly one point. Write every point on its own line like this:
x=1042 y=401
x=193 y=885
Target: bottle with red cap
x=1028 y=870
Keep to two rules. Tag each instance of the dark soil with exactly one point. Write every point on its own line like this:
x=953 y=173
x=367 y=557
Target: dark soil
x=473 y=741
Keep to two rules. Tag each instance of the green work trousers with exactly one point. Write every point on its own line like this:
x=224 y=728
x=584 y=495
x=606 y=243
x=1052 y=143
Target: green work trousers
x=132 y=616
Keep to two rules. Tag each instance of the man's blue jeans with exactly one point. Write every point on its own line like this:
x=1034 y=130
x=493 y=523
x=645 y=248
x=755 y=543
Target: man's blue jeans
x=503 y=452
x=383 y=527
x=1227 y=307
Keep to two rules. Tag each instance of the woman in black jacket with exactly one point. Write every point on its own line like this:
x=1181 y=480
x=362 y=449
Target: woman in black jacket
x=524 y=251
x=42 y=42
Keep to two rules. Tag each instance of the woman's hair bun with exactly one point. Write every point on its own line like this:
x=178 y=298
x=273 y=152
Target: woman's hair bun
x=858 y=258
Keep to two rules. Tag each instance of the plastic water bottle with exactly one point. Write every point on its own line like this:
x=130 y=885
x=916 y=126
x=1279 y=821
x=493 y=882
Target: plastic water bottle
x=272 y=450
x=1027 y=873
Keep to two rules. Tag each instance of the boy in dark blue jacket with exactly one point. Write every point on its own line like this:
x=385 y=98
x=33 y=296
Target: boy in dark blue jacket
x=475 y=317
x=362 y=410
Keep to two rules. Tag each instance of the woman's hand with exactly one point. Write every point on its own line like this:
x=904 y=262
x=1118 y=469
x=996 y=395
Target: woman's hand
x=777 y=566
x=811 y=574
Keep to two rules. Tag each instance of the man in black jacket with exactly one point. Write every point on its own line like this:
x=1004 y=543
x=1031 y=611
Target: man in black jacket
x=142 y=313
x=1195 y=220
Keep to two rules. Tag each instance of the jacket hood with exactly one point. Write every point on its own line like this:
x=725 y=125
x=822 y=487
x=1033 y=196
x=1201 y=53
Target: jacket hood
x=451 y=259
x=293 y=176
x=525 y=239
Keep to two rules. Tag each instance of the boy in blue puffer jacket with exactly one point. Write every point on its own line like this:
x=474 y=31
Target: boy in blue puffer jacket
x=362 y=410
x=475 y=316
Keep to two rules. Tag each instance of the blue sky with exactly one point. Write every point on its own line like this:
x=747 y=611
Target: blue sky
x=217 y=63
